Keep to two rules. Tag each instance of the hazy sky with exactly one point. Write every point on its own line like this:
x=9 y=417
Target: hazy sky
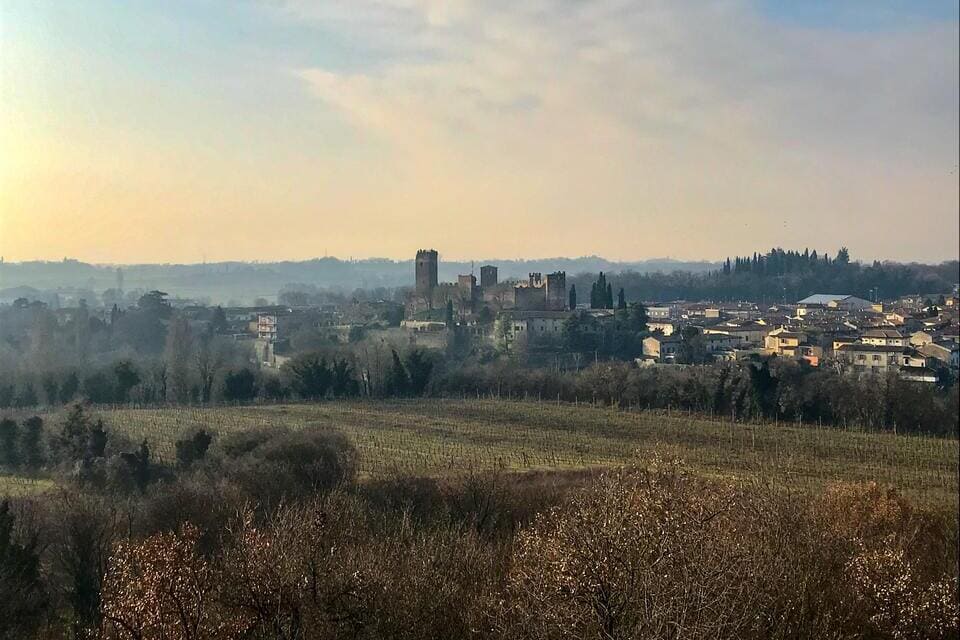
x=146 y=131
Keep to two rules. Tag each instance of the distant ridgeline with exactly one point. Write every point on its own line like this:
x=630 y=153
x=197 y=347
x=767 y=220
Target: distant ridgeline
x=244 y=281
x=780 y=275
x=772 y=276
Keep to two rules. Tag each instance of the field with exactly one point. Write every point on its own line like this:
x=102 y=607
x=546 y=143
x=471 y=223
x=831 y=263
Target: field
x=435 y=437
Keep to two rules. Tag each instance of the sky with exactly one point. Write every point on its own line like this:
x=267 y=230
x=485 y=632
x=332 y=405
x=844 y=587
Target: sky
x=185 y=131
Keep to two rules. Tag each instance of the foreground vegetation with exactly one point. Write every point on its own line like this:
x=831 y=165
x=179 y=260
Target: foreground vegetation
x=469 y=519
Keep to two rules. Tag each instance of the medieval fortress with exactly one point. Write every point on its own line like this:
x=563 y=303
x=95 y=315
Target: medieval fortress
x=466 y=296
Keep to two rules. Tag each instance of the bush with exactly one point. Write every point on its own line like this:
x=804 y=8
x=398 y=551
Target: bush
x=192 y=448
x=287 y=465
x=631 y=557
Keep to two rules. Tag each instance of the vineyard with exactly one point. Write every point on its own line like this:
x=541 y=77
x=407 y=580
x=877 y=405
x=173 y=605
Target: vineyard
x=436 y=437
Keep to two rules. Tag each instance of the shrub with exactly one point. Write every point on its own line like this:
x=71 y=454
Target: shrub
x=642 y=553
x=192 y=448
x=278 y=464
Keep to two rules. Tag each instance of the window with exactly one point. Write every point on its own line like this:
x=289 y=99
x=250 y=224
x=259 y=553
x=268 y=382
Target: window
x=876 y=358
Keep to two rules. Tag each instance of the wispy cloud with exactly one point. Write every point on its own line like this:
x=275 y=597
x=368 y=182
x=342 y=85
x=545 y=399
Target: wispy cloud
x=708 y=111
x=497 y=127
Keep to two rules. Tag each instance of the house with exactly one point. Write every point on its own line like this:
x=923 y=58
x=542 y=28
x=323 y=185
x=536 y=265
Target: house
x=423 y=326
x=661 y=312
x=840 y=341
x=870 y=358
x=944 y=351
x=666 y=327
x=895 y=318
x=272 y=325
x=717 y=342
x=843 y=302
x=746 y=332
x=884 y=337
x=811 y=353
x=531 y=325
x=782 y=342
x=662 y=347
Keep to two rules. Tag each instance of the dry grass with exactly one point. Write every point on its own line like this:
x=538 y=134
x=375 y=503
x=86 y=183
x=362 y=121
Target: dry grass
x=436 y=437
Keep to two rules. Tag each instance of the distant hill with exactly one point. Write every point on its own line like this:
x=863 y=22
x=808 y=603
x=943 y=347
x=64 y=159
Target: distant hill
x=222 y=282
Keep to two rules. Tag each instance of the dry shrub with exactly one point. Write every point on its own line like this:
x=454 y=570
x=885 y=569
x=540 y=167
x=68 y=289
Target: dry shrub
x=649 y=553
x=901 y=563
x=292 y=578
x=902 y=604
x=435 y=582
x=161 y=588
x=654 y=553
x=638 y=553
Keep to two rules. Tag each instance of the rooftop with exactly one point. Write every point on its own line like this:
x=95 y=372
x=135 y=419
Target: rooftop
x=824 y=298
x=872 y=348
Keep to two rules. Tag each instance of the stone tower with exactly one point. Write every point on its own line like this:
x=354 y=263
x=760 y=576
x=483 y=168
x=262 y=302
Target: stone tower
x=488 y=276
x=427 y=262
x=556 y=291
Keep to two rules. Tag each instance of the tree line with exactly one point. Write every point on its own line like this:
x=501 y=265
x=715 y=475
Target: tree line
x=778 y=275
x=782 y=390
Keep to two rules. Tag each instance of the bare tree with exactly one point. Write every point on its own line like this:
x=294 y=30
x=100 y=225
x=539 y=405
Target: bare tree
x=177 y=356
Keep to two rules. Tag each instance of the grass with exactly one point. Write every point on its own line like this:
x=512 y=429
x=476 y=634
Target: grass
x=436 y=437
x=11 y=485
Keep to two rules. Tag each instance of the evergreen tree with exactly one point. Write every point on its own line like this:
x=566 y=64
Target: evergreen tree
x=342 y=382
x=51 y=389
x=449 y=316
x=27 y=396
x=69 y=388
x=23 y=602
x=96 y=441
x=142 y=469
x=31 y=442
x=240 y=386
x=311 y=376
x=71 y=443
x=192 y=448
x=638 y=317
x=419 y=368
x=398 y=383
x=601 y=295
x=573 y=297
x=127 y=378
x=621 y=299
x=9 y=443
x=218 y=323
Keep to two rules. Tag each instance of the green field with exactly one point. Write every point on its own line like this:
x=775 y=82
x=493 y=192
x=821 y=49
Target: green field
x=436 y=437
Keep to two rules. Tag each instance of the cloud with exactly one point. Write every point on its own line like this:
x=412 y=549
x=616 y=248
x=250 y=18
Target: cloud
x=662 y=116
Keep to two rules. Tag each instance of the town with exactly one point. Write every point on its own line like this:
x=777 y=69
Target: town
x=915 y=336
